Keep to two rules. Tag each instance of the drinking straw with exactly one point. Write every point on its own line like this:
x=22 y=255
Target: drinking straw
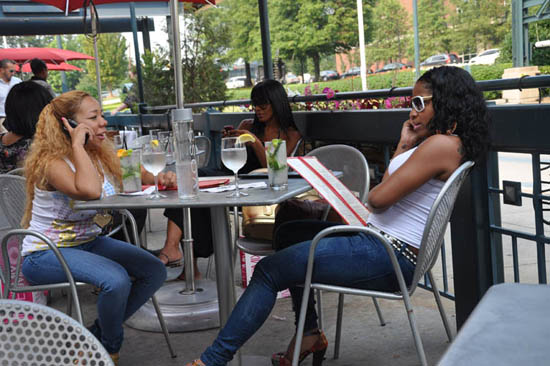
x=124 y=138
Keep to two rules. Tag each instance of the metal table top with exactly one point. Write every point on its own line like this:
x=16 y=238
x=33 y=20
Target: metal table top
x=256 y=197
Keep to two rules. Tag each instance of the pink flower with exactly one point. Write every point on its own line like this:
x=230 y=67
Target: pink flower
x=330 y=94
x=307 y=90
x=325 y=90
x=336 y=104
x=388 y=103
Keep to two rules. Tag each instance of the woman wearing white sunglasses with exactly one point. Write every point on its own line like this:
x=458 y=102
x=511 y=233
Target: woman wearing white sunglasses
x=447 y=125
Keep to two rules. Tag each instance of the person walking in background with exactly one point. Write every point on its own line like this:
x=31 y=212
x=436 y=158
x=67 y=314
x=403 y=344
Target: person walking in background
x=7 y=81
x=24 y=103
x=40 y=74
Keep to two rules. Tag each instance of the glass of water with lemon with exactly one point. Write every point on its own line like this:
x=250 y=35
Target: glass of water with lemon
x=153 y=158
x=234 y=157
x=277 y=168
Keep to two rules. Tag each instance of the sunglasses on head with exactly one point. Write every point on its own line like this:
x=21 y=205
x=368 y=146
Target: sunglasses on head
x=418 y=102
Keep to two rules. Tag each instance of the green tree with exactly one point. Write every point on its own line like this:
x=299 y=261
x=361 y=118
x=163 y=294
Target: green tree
x=479 y=24
x=29 y=41
x=69 y=42
x=538 y=31
x=113 y=63
x=391 y=31
x=434 y=32
x=313 y=28
x=239 y=20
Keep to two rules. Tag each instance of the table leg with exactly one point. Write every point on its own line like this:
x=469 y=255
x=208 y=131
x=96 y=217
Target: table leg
x=223 y=249
x=187 y=241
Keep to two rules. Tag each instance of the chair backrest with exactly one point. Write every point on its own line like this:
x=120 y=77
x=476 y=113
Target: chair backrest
x=203 y=145
x=66 y=342
x=351 y=162
x=437 y=221
x=17 y=171
x=12 y=200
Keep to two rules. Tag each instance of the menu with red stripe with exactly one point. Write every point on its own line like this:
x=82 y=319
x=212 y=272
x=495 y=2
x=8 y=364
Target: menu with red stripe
x=331 y=189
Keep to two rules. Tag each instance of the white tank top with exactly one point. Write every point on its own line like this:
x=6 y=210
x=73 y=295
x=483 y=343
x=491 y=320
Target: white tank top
x=53 y=215
x=406 y=218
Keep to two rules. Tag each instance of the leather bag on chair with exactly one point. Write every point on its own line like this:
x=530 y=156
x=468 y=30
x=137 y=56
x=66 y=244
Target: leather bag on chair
x=258 y=221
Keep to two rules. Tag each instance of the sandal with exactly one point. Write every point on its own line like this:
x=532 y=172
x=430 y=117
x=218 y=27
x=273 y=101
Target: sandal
x=196 y=362
x=171 y=263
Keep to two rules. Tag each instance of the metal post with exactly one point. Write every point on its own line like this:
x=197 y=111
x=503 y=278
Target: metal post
x=416 y=42
x=517 y=33
x=145 y=34
x=187 y=239
x=93 y=16
x=266 y=41
x=471 y=248
x=361 y=30
x=64 y=87
x=136 y=51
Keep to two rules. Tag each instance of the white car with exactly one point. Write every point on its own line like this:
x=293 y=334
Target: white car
x=487 y=57
x=235 y=82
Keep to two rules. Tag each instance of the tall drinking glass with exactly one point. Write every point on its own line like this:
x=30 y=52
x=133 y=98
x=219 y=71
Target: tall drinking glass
x=234 y=158
x=166 y=138
x=153 y=158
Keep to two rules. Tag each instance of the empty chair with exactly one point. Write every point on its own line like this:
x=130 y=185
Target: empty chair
x=22 y=337
x=203 y=147
x=356 y=177
x=432 y=240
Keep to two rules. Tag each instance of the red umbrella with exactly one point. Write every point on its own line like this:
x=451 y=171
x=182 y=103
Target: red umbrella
x=63 y=66
x=70 y=5
x=48 y=55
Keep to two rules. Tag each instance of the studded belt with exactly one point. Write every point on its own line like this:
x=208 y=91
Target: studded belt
x=400 y=246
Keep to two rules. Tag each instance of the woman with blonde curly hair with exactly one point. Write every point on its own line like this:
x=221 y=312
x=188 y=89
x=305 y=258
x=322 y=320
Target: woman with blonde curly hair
x=67 y=164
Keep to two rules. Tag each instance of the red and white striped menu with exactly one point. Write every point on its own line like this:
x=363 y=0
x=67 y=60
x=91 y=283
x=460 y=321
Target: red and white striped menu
x=331 y=189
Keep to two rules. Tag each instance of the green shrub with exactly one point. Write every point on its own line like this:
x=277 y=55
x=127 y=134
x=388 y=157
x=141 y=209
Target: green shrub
x=387 y=80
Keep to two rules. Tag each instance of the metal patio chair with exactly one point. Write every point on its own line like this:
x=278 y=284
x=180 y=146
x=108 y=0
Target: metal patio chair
x=432 y=240
x=23 y=339
x=203 y=148
x=356 y=177
x=12 y=205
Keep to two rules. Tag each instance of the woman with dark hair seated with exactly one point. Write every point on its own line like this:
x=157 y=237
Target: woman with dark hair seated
x=447 y=125
x=272 y=120
x=24 y=103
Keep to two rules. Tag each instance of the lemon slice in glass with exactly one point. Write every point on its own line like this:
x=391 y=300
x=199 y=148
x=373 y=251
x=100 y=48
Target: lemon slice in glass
x=245 y=137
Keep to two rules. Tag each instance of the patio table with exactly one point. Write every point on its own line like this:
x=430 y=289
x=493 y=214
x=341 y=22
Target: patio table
x=509 y=326
x=223 y=246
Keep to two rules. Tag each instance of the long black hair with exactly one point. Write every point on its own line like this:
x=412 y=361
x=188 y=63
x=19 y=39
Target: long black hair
x=23 y=105
x=457 y=99
x=272 y=92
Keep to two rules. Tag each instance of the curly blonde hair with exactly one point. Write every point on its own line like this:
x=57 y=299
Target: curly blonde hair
x=50 y=143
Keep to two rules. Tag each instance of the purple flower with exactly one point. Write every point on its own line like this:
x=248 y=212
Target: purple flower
x=325 y=90
x=388 y=103
x=330 y=93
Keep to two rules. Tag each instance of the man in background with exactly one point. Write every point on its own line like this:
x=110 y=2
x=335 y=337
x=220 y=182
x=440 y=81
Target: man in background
x=7 y=80
x=40 y=71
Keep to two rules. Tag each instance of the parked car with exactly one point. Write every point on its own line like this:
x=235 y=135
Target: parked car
x=441 y=59
x=487 y=57
x=290 y=78
x=393 y=66
x=329 y=75
x=354 y=71
x=236 y=82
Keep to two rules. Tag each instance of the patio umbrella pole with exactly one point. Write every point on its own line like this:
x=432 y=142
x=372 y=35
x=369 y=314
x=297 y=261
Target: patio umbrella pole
x=93 y=15
x=187 y=239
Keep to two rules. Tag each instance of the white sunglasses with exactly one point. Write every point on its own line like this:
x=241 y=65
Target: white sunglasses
x=418 y=102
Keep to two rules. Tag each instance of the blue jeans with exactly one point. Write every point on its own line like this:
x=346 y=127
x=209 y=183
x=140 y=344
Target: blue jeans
x=127 y=276
x=357 y=260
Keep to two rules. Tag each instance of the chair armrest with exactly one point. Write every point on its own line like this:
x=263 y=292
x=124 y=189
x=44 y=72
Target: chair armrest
x=127 y=215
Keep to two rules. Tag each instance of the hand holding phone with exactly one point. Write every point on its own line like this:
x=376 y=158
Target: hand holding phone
x=226 y=130
x=73 y=125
